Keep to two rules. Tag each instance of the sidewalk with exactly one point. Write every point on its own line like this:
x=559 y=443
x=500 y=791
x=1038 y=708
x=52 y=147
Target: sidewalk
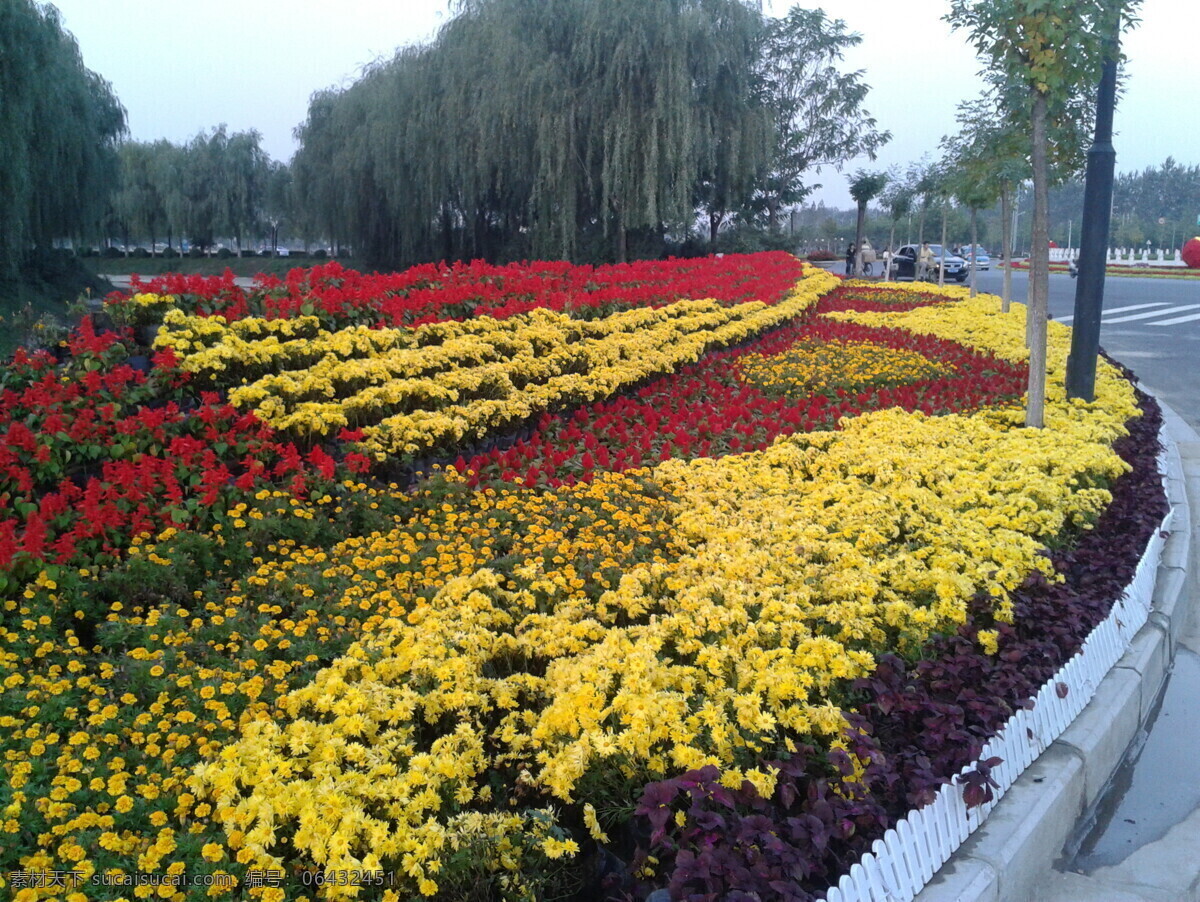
x=1166 y=869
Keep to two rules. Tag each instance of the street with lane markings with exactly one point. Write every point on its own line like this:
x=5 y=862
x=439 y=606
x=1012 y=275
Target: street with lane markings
x=1150 y=325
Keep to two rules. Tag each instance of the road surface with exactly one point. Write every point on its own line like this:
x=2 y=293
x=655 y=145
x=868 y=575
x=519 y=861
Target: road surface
x=1150 y=325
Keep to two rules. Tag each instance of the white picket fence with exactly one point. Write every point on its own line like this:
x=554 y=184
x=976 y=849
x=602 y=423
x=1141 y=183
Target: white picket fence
x=906 y=858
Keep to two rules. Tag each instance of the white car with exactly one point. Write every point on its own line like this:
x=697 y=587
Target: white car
x=982 y=260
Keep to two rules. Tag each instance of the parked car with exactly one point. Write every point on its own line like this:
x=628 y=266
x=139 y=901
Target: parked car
x=982 y=260
x=904 y=263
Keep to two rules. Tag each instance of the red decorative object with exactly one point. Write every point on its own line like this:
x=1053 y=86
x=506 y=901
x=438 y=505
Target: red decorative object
x=1191 y=253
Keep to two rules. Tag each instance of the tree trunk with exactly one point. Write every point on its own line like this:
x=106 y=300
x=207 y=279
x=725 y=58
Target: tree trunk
x=1006 y=233
x=921 y=228
x=1039 y=270
x=942 y=268
x=974 y=246
x=858 y=237
x=621 y=238
x=447 y=235
x=714 y=225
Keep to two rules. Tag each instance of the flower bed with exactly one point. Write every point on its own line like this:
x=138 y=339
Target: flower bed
x=673 y=592
x=437 y=292
x=1139 y=270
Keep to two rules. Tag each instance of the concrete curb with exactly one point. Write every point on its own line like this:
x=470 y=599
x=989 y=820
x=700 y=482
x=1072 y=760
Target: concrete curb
x=1009 y=856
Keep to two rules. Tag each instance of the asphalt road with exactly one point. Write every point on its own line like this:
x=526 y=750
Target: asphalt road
x=1150 y=325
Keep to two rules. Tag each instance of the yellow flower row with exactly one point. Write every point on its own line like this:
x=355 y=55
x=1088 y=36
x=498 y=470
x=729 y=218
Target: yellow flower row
x=436 y=385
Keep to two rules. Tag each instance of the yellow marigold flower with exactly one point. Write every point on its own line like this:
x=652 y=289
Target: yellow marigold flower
x=557 y=848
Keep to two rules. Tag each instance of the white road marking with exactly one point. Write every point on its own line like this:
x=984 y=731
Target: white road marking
x=1151 y=314
x=1103 y=313
x=1177 y=320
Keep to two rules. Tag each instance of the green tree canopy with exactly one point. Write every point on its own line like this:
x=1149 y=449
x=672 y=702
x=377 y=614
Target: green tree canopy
x=864 y=188
x=59 y=127
x=820 y=119
x=573 y=128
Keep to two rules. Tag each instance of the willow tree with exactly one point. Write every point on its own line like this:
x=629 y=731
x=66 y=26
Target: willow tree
x=167 y=163
x=529 y=125
x=1046 y=55
x=138 y=204
x=320 y=169
x=242 y=168
x=59 y=126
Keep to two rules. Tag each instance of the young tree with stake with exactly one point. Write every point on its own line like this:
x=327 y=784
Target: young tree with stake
x=1046 y=54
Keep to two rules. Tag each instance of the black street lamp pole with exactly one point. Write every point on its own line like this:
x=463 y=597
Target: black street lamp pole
x=1093 y=238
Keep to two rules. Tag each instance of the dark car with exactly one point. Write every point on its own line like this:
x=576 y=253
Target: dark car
x=904 y=263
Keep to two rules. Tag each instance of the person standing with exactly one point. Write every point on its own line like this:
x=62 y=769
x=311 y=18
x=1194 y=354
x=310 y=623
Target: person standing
x=850 y=251
x=924 y=262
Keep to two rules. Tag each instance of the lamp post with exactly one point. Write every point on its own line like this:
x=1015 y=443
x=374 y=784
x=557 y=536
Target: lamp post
x=1093 y=234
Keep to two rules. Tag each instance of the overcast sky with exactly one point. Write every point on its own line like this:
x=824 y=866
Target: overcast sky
x=182 y=66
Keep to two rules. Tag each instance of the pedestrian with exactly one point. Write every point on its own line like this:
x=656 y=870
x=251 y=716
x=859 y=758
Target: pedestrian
x=924 y=262
x=850 y=259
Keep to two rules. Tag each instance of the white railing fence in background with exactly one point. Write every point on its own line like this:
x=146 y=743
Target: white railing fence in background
x=906 y=858
x=1124 y=256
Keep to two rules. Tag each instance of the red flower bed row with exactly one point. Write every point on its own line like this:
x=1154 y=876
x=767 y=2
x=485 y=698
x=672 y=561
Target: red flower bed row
x=97 y=452
x=437 y=291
